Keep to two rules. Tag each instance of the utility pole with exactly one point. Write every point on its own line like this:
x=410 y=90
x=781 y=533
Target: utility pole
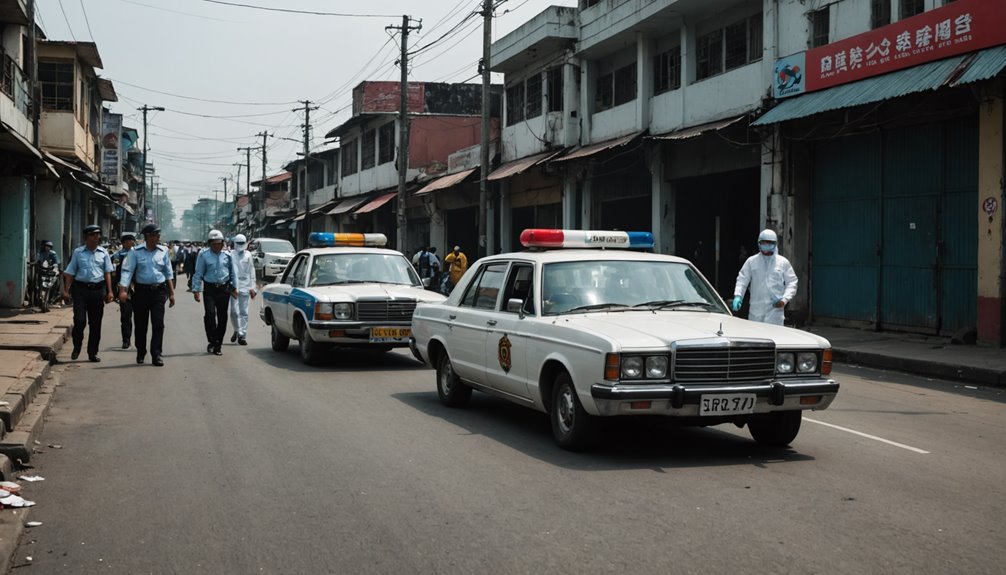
x=403 y=132
x=487 y=25
x=261 y=188
x=306 y=233
x=247 y=152
x=237 y=192
x=227 y=225
x=145 y=108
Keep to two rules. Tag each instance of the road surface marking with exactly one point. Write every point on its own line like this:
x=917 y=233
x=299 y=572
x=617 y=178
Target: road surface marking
x=868 y=436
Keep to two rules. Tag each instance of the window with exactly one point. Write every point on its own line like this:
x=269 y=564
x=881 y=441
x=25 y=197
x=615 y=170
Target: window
x=755 y=34
x=294 y=270
x=709 y=54
x=667 y=70
x=909 y=8
x=368 y=153
x=519 y=286
x=625 y=84
x=515 y=104
x=820 y=23
x=736 y=44
x=485 y=287
x=604 y=95
x=533 y=97
x=350 y=164
x=554 y=84
x=386 y=143
x=56 y=81
x=880 y=13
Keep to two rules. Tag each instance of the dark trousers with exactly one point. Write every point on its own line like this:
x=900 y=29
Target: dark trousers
x=216 y=307
x=126 y=319
x=88 y=308
x=148 y=307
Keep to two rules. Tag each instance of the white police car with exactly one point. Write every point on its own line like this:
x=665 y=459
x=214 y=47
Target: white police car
x=582 y=333
x=348 y=293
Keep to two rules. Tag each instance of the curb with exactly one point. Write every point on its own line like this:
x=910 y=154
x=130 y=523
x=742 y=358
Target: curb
x=11 y=529
x=954 y=372
x=18 y=444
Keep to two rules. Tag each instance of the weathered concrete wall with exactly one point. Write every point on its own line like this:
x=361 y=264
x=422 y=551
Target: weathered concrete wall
x=14 y=209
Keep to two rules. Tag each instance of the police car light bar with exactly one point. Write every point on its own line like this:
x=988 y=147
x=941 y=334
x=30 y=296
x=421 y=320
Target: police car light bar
x=539 y=238
x=329 y=240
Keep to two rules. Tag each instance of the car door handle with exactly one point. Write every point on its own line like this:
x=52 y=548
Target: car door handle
x=491 y=322
x=452 y=317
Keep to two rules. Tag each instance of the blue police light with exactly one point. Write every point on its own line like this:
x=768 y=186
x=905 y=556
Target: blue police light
x=330 y=240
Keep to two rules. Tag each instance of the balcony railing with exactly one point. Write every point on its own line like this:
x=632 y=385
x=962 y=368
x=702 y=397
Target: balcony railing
x=14 y=83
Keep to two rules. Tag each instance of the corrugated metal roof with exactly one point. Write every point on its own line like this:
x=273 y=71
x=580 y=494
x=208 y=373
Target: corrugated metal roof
x=694 y=131
x=590 y=150
x=518 y=166
x=986 y=64
x=446 y=181
x=376 y=203
x=909 y=81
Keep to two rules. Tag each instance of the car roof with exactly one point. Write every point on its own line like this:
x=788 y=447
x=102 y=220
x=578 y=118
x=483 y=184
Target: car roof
x=349 y=250
x=577 y=255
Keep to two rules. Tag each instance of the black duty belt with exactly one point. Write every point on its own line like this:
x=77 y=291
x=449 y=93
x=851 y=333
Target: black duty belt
x=89 y=285
x=222 y=286
x=150 y=287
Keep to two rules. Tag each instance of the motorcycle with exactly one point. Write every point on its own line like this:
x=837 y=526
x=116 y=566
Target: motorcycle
x=46 y=279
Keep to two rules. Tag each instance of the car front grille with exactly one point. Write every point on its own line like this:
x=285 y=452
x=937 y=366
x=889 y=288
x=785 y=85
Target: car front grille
x=724 y=363
x=385 y=310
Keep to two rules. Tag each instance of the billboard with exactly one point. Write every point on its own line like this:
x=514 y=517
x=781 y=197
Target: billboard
x=111 y=151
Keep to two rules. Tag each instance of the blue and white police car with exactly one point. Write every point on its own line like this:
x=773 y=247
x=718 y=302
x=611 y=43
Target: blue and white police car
x=582 y=328
x=345 y=290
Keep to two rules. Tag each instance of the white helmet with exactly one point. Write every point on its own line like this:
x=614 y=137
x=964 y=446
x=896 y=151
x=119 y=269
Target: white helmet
x=215 y=235
x=240 y=239
x=768 y=236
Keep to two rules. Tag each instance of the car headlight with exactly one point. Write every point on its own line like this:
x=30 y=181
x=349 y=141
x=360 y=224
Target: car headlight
x=343 y=310
x=806 y=362
x=656 y=366
x=784 y=363
x=632 y=367
x=322 y=311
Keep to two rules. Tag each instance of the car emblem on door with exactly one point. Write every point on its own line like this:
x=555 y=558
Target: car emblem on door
x=504 y=353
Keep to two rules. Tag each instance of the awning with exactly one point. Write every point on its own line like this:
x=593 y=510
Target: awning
x=128 y=209
x=299 y=217
x=948 y=72
x=324 y=207
x=518 y=166
x=347 y=205
x=376 y=203
x=595 y=148
x=17 y=142
x=276 y=223
x=446 y=182
x=687 y=133
x=61 y=162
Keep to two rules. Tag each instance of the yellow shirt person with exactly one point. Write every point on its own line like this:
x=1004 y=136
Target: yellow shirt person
x=456 y=263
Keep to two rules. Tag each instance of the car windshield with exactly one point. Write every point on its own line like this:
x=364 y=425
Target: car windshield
x=337 y=269
x=275 y=247
x=624 y=285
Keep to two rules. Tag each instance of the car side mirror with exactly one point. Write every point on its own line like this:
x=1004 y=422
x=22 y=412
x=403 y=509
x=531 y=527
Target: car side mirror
x=427 y=282
x=514 y=305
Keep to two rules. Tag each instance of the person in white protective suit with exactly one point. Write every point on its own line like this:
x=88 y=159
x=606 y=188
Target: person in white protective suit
x=245 y=285
x=771 y=280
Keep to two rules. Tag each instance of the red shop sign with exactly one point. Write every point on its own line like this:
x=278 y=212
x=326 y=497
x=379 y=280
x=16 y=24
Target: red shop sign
x=957 y=28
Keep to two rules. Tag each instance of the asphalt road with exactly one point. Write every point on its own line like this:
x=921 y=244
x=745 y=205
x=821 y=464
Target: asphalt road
x=254 y=463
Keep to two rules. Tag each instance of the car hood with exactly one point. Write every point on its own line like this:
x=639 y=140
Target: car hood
x=658 y=330
x=374 y=291
x=288 y=255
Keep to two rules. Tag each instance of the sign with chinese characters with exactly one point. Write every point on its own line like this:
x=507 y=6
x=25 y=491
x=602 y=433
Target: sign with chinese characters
x=957 y=28
x=111 y=134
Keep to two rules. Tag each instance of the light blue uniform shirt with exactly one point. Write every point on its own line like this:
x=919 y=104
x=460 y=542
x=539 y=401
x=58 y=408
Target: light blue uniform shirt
x=89 y=267
x=213 y=268
x=146 y=267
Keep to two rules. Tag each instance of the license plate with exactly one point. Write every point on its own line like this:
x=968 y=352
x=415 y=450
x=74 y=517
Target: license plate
x=727 y=404
x=386 y=334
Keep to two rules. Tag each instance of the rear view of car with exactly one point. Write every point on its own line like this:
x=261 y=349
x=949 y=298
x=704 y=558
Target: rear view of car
x=271 y=257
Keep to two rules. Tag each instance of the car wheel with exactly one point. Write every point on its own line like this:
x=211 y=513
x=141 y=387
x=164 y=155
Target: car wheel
x=311 y=352
x=777 y=429
x=451 y=391
x=280 y=342
x=572 y=427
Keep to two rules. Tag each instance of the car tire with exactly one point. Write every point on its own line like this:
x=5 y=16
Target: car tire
x=777 y=429
x=280 y=342
x=311 y=352
x=572 y=427
x=451 y=391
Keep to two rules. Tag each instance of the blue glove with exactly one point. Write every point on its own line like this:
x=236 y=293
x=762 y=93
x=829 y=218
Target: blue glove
x=736 y=305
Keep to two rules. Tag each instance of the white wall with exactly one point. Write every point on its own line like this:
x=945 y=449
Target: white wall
x=613 y=123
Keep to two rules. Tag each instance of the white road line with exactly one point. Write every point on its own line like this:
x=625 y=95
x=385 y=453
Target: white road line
x=868 y=436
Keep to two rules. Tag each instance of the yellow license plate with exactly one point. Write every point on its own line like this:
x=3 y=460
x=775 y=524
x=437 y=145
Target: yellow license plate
x=379 y=334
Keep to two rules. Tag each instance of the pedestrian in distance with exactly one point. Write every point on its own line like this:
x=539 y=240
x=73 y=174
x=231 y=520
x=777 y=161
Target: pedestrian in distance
x=771 y=280
x=191 y=253
x=216 y=274
x=87 y=280
x=456 y=263
x=244 y=264
x=47 y=255
x=125 y=307
x=148 y=271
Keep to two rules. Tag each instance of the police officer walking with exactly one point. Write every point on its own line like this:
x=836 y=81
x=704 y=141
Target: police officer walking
x=216 y=269
x=125 y=307
x=148 y=269
x=88 y=277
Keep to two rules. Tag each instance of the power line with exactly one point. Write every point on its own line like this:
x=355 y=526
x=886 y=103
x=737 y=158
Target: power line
x=179 y=12
x=86 y=21
x=204 y=99
x=290 y=11
x=67 y=20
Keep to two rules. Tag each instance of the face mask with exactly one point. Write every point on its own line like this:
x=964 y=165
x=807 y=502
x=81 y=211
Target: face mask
x=767 y=248
x=239 y=247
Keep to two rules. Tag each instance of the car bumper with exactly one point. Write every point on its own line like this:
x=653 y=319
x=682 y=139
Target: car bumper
x=682 y=400
x=355 y=333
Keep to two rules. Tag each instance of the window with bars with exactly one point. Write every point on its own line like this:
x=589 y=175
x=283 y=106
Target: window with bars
x=368 y=152
x=554 y=83
x=604 y=95
x=625 y=84
x=515 y=104
x=350 y=163
x=729 y=47
x=880 y=13
x=667 y=71
x=386 y=143
x=532 y=94
x=56 y=81
x=709 y=54
x=909 y=8
x=820 y=24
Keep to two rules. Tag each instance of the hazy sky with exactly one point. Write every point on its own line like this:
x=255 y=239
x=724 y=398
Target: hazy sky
x=257 y=65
